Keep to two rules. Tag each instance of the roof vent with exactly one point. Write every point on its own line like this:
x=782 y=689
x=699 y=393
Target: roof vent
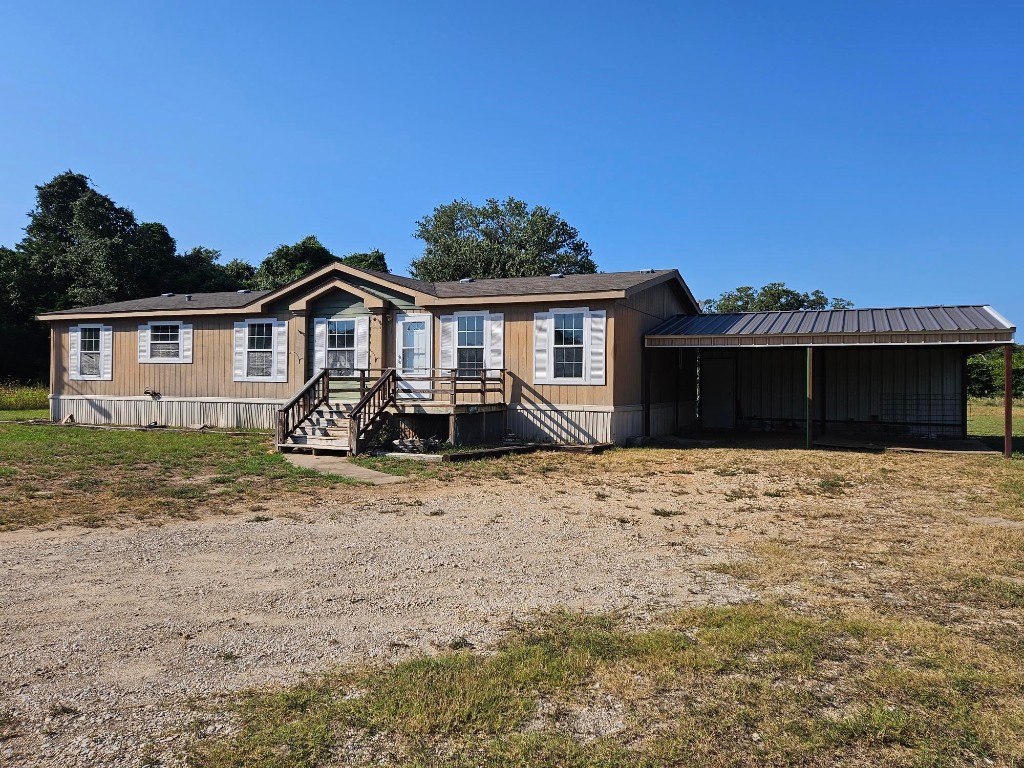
x=556 y=275
x=243 y=290
x=467 y=279
x=188 y=297
x=166 y=294
x=646 y=271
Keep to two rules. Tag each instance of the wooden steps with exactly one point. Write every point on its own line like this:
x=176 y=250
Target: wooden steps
x=325 y=429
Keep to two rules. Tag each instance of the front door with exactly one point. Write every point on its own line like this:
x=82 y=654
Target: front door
x=413 y=355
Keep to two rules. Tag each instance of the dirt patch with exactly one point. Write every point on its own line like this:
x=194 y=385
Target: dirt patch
x=129 y=627
x=121 y=641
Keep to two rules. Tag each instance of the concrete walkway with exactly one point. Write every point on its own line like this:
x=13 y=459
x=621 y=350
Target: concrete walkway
x=340 y=465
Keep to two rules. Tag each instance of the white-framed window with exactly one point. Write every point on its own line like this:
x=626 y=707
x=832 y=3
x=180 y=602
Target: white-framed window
x=341 y=343
x=569 y=346
x=470 y=351
x=472 y=342
x=90 y=352
x=261 y=350
x=165 y=341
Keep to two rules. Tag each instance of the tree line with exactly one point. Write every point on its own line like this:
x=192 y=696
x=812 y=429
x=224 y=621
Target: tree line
x=80 y=248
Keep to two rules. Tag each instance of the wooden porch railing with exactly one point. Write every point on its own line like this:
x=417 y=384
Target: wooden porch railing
x=313 y=394
x=363 y=417
x=446 y=385
x=379 y=388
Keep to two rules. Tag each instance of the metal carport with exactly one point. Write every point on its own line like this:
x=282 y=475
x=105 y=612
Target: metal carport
x=899 y=370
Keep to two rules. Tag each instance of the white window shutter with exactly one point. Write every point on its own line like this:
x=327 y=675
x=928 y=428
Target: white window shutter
x=596 y=361
x=106 y=353
x=542 y=347
x=495 y=341
x=144 y=343
x=363 y=342
x=319 y=344
x=448 y=331
x=239 y=364
x=280 y=350
x=186 y=343
x=74 y=333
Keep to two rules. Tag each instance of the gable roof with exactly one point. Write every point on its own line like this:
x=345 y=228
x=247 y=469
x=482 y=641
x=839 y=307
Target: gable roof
x=969 y=322
x=608 y=285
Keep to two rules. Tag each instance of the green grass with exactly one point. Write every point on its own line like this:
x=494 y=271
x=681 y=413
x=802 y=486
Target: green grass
x=742 y=685
x=25 y=414
x=53 y=474
x=986 y=418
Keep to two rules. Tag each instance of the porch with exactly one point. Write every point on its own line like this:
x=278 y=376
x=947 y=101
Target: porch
x=343 y=410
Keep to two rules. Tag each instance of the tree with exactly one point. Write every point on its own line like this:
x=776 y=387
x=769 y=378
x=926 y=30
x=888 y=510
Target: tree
x=986 y=373
x=498 y=239
x=200 y=271
x=372 y=260
x=287 y=263
x=81 y=248
x=773 y=296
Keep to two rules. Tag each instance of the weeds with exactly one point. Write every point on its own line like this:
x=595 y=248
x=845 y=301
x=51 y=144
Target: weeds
x=19 y=397
x=814 y=691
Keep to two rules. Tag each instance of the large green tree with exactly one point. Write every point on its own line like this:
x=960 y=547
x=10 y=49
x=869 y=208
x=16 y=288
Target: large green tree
x=773 y=296
x=374 y=260
x=288 y=263
x=81 y=248
x=498 y=239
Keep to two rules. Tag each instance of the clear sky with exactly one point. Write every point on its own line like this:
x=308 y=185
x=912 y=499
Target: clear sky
x=874 y=150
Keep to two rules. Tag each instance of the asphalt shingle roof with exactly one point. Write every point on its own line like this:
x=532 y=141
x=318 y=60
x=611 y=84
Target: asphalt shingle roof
x=220 y=300
x=525 y=286
x=513 y=286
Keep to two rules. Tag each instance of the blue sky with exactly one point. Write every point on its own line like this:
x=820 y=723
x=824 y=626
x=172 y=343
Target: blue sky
x=873 y=150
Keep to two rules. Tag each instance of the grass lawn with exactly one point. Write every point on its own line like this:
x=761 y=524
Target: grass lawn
x=745 y=685
x=885 y=631
x=985 y=419
x=52 y=474
x=20 y=403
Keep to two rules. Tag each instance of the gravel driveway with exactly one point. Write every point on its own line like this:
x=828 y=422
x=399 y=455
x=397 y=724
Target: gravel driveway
x=117 y=643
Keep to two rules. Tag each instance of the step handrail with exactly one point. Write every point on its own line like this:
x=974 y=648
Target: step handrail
x=313 y=394
x=370 y=407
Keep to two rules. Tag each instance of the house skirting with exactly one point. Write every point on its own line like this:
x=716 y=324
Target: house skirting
x=593 y=423
x=166 y=411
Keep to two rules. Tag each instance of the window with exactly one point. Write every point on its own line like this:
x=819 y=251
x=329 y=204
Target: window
x=567 y=345
x=472 y=342
x=469 y=345
x=89 y=352
x=259 y=355
x=165 y=342
x=341 y=345
x=260 y=350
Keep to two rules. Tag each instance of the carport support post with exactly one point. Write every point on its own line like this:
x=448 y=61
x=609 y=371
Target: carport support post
x=809 y=404
x=1008 y=400
x=645 y=378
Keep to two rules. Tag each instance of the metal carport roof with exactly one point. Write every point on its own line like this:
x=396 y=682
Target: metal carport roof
x=963 y=324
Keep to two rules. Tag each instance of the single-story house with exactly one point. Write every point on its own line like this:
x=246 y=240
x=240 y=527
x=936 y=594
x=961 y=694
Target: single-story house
x=329 y=358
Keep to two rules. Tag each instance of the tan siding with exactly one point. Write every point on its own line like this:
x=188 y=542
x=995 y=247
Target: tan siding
x=519 y=386
x=209 y=374
x=634 y=317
